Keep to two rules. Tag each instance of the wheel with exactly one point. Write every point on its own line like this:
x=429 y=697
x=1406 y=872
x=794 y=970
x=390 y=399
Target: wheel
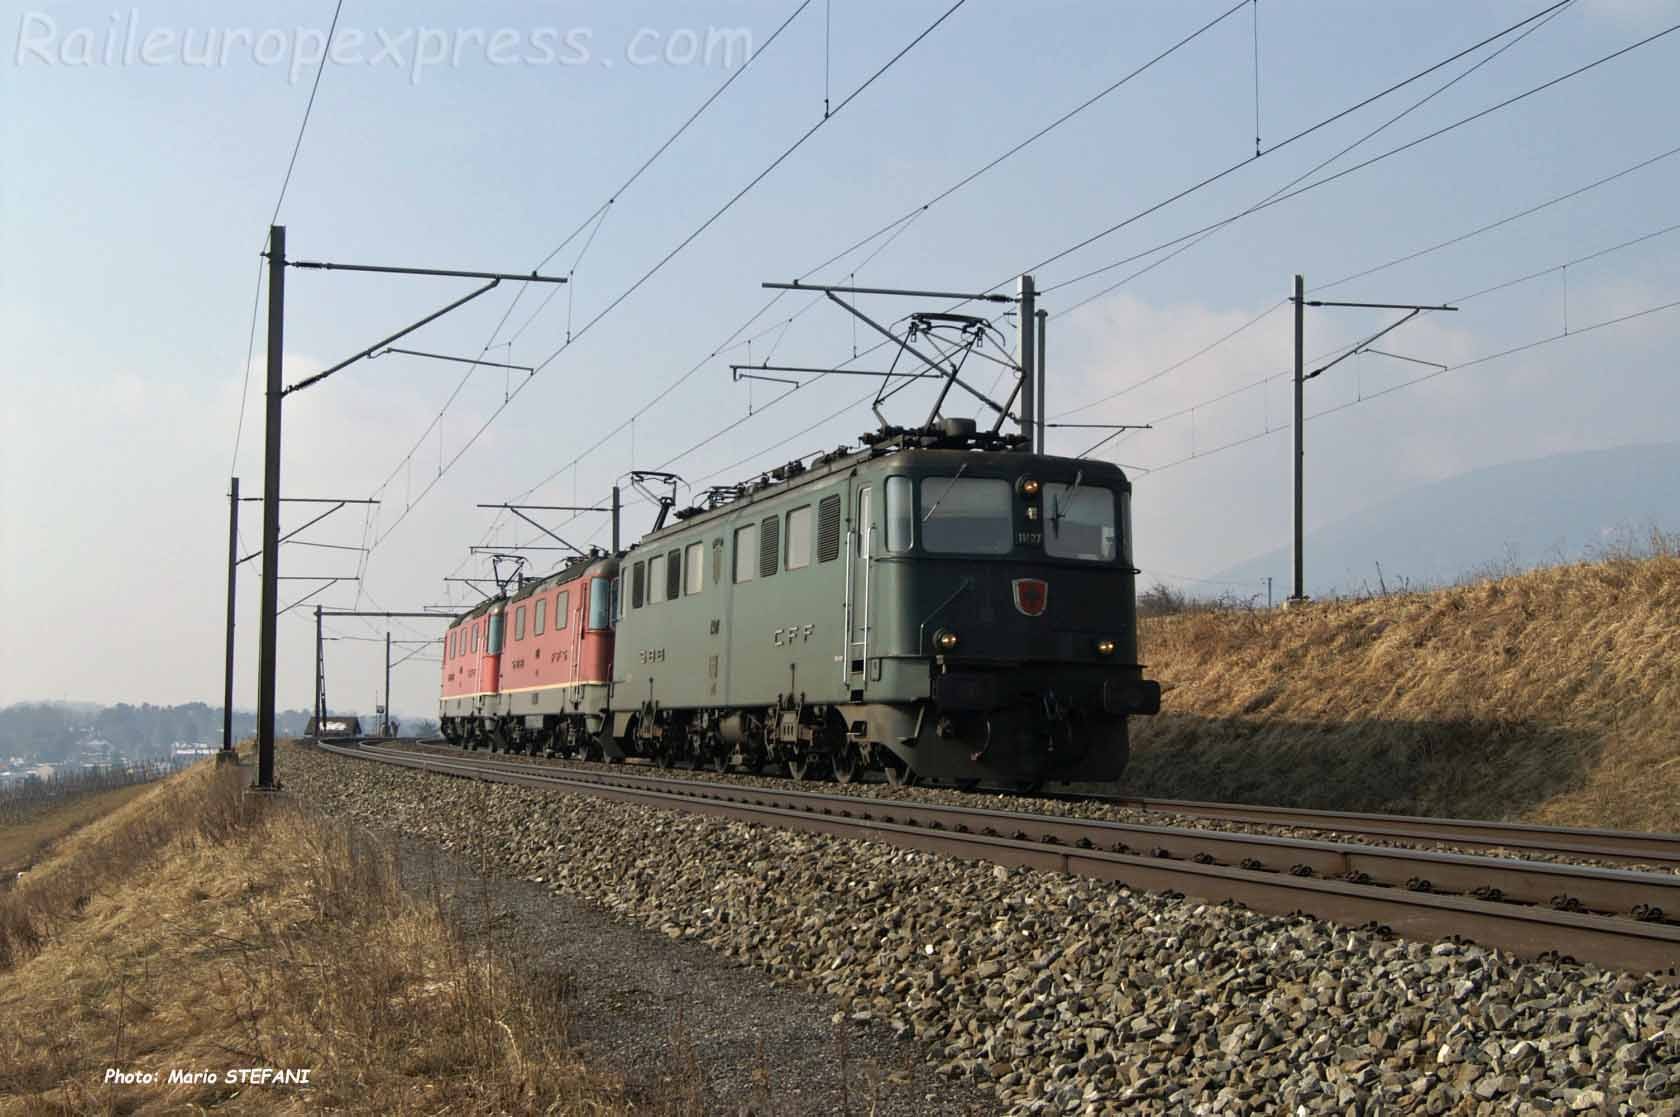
x=718 y=756
x=899 y=774
x=799 y=767
x=846 y=763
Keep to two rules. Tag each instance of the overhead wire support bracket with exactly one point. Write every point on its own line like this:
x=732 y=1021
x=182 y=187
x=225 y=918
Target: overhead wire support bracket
x=1381 y=306
x=336 y=505
x=518 y=510
x=472 y=583
x=433 y=316
x=832 y=288
x=516 y=277
x=1364 y=346
x=312 y=594
x=1403 y=357
x=494 y=278
x=738 y=373
x=819 y=371
x=513 y=547
x=308 y=500
x=448 y=357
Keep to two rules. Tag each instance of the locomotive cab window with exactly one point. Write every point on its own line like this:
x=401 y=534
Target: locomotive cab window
x=638 y=585
x=901 y=517
x=598 y=603
x=966 y=515
x=618 y=599
x=562 y=610
x=673 y=575
x=539 y=620
x=798 y=539
x=864 y=525
x=694 y=568
x=498 y=625
x=656 y=579
x=475 y=639
x=746 y=553
x=1079 y=522
x=1126 y=527
x=519 y=623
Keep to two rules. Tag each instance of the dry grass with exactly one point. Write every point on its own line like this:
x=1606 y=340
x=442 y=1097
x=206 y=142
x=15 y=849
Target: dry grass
x=200 y=928
x=1552 y=694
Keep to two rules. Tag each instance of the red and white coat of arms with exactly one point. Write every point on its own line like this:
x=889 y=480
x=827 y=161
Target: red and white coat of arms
x=1031 y=596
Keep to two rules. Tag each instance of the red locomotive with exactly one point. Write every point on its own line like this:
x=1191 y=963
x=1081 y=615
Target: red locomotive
x=529 y=672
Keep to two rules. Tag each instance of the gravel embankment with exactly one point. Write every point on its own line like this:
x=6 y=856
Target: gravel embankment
x=1067 y=995
x=1065 y=808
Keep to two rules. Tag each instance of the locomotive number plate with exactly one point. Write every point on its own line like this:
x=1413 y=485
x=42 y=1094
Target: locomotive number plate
x=653 y=655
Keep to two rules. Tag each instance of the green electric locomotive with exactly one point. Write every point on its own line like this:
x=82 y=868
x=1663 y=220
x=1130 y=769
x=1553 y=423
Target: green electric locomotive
x=938 y=603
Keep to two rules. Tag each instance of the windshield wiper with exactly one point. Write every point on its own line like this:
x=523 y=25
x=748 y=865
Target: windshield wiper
x=1056 y=518
x=929 y=514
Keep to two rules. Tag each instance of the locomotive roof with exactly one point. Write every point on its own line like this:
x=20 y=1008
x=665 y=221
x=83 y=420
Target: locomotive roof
x=843 y=460
x=565 y=574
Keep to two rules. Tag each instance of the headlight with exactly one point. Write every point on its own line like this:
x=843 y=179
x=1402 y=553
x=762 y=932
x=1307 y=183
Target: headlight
x=945 y=639
x=1105 y=647
x=1029 y=486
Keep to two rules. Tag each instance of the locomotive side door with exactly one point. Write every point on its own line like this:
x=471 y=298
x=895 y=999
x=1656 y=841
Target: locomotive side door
x=579 y=603
x=860 y=549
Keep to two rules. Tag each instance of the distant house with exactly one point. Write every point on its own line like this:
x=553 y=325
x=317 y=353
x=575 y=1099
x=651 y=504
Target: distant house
x=335 y=725
x=181 y=753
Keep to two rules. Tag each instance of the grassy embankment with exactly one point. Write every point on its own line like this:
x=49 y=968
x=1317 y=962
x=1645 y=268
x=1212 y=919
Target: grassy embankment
x=200 y=928
x=1552 y=695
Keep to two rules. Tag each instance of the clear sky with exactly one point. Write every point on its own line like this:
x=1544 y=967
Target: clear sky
x=142 y=150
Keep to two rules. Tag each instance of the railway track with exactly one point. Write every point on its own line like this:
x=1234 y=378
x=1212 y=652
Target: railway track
x=1641 y=848
x=1611 y=917
x=1599 y=845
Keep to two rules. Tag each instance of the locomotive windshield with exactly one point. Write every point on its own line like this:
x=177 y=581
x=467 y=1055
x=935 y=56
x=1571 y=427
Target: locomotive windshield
x=600 y=610
x=1079 y=522
x=968 y=515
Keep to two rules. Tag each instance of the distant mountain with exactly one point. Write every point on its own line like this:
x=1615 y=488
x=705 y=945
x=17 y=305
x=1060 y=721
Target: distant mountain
x=1521 y=514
